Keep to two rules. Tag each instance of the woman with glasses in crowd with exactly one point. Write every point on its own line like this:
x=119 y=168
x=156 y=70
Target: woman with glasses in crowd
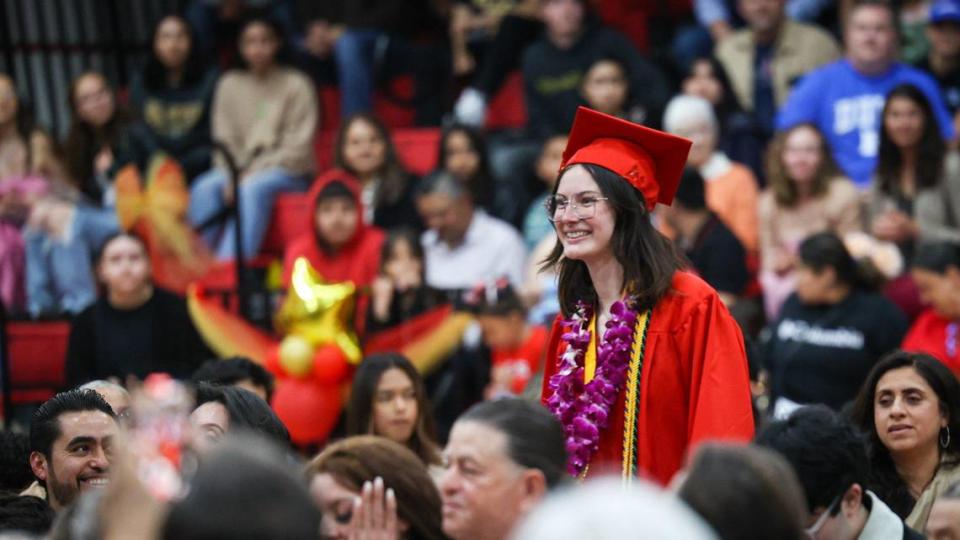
x=641 y=347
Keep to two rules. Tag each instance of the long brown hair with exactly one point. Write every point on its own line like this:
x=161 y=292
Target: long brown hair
x=784 y=189
x=84 y=141
x=648 y=258
x=393 y=178
x=360 y=408
x=356 y=460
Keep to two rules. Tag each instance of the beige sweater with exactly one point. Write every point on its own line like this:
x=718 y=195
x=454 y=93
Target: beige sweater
x=783 y=229
x=276 y=114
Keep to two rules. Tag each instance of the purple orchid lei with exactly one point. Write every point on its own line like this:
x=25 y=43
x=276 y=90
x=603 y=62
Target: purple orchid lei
x=584 y=409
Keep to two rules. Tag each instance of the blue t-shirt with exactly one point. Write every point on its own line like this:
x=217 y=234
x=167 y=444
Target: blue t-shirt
x=846 y=105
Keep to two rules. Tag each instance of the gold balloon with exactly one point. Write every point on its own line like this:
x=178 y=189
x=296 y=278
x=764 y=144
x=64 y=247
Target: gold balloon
x=296 y=356
x=320 y=312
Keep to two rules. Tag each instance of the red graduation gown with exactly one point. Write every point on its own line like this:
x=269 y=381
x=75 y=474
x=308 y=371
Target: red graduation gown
x=694 y=385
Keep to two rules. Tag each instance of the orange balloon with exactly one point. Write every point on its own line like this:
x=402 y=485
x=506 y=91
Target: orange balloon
x=309 y=410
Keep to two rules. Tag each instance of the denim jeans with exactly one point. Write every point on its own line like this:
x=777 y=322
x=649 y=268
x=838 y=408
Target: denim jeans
x=256 y=197
x=59 y=275
x=356 y=54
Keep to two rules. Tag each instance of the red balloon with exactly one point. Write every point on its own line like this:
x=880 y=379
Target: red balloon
x=272 y=362
x=329 y=365
x=309 y=410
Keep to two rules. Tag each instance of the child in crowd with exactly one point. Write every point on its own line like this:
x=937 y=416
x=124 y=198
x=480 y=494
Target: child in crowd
x=399 y=292
x=606 y=88
x=517 y=347
x=536 y=226
x=339 y=246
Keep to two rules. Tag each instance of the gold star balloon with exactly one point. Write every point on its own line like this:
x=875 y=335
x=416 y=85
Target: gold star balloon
x=320 y=312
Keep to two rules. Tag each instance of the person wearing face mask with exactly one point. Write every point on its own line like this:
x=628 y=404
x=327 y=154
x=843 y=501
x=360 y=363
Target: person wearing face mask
x=637 y=335
x=135 y=328
x=829 y=456
x=909 y=406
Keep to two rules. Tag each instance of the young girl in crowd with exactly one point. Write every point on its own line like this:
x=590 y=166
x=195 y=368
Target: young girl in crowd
x=29 y=167
x=741 y=137
x=365 y=150
x=910 y=408
x=517 y=347
x=63 y=233
x=339 y=246
x=606 y=88
x=350 y=477
x=805 y=195
x=936 y=271
x=536 y=226
x=265 y=113
x=463 y=153
x=134 y=328
x=171 y=99
x=399 y=292
x=831 y=331
x=389 y=399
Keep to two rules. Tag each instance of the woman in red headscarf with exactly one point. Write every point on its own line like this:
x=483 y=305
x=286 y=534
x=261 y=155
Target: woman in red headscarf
x=668 y=369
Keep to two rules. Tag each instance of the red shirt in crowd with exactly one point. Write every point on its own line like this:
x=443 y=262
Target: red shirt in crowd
x=936 y=336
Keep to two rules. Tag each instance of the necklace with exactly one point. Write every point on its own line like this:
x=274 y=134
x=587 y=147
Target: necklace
x=584 y=408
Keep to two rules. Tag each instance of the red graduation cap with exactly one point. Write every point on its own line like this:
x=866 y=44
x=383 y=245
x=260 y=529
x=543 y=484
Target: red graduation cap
x=651 y=161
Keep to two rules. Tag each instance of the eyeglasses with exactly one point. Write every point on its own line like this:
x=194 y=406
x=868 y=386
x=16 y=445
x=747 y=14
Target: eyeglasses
x=584 y=206
x=812 y=531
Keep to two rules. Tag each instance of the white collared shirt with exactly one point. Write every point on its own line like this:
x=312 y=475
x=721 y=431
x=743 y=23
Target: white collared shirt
x=491 y=249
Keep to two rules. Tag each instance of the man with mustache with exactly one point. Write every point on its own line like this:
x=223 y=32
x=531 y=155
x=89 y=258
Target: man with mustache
x=71 y=438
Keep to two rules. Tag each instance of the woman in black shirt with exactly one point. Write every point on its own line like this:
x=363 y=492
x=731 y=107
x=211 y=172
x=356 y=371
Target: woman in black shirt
x=134 y=328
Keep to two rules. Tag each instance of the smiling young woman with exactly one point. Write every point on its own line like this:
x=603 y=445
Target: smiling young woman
x=910 y=407
x=670 y=364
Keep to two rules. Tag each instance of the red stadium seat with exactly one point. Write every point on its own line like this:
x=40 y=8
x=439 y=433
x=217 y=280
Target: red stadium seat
x=38 y=352
x=508 y=109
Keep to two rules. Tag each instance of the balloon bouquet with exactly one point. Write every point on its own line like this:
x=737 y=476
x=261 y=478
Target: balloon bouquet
x=313 y=362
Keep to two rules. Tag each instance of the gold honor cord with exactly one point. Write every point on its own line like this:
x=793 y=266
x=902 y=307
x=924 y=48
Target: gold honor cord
x=631 y=414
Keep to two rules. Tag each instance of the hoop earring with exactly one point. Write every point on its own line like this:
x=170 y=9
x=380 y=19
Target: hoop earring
x=945 y=443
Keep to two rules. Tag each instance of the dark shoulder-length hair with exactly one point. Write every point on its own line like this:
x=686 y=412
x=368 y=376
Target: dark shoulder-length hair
x=84 y=141
x=259 y=16
x=648 y=258
x=393 y=177
x=826 y=250
x=930 y=153
x=480 y=184
x=783 y=187
x=885 y=481
x=729 y=103
x=360 y=407
x=247 y=411
x=155 y=73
